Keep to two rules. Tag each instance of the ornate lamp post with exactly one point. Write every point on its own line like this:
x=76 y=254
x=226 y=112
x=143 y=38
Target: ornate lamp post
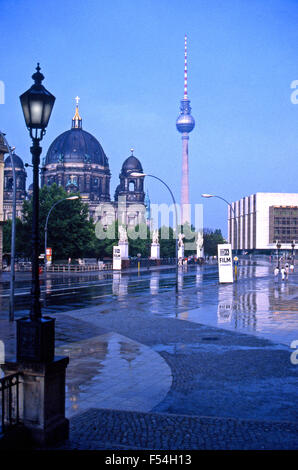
x=278 y=246
x=36 y=334
x=42 y=397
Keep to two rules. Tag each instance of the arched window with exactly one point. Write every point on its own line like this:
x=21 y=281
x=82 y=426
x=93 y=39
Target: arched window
x=131 y=186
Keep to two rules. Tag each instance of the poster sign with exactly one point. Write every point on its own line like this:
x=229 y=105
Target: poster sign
x=116 y=257
x=225 y=263
x=49 y=255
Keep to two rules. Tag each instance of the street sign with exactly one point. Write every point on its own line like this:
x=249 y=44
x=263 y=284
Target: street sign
x=116 y=257
x=225 y=264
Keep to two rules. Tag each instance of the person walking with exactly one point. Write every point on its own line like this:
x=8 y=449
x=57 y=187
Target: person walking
x=276 y=272
x=283 y=273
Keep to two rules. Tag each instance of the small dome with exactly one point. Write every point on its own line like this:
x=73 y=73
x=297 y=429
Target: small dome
x=132 y=164
x=18 y=162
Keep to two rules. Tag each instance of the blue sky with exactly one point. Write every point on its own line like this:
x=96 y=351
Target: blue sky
x=125 y=60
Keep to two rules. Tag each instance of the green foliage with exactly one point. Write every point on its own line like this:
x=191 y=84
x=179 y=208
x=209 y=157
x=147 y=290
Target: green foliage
x=211 y=239
x=70 y=232
x=167 y=242
x=21 y=238
x=139 y=240
x=104 y=240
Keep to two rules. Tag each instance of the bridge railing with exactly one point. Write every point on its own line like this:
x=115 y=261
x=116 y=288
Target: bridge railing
x=9 y=393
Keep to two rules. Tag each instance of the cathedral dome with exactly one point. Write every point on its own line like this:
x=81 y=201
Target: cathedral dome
x=18 y=162
x=76 y=146
x=131 y=164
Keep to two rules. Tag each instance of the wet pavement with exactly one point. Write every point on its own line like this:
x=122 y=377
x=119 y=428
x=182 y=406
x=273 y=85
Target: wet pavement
x=140 y=354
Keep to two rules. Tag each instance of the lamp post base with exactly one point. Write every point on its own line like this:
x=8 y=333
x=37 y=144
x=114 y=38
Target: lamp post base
x=35 y=339
x=42 y=399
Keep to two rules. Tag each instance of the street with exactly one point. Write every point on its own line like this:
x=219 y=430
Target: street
x=257 y=303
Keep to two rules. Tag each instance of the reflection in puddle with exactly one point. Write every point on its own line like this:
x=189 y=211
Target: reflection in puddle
x=257 y=304
x=112 y=371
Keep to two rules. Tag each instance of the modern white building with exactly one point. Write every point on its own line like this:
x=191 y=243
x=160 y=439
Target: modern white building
x=258 y=222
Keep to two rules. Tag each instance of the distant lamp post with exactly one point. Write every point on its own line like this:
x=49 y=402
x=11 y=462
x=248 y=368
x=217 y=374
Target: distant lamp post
x=278 y=246
x=293 y=252
x=134 y=173
x=13 y=229
x=70 y=198
x=230 y=205
x=37 y=104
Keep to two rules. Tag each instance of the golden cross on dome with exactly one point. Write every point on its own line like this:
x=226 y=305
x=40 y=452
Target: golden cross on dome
x=77 y=120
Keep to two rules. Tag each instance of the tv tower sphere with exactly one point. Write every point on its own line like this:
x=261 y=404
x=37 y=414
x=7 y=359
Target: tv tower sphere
x=185 y=122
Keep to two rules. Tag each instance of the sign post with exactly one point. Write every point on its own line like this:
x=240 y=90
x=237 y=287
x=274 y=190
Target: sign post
x=116 y=257
x=236 y=262
x=225 y=264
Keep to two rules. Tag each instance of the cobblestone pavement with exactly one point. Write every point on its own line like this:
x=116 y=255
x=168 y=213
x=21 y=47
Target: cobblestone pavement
x=111 y=429
x=199 y=386
x=228 y=390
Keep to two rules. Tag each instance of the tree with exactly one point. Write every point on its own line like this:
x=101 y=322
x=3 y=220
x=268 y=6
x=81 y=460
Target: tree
x=167 y=242
x=21 y=238
x=104 y=239
x=70 y=231
x=211 y=239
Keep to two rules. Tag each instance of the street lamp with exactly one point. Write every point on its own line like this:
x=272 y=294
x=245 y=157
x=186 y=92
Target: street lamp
x=293 y=248
x=36 y=334
x=134 y=173
x=230 y=205
x=278 y=246
x=70 y=198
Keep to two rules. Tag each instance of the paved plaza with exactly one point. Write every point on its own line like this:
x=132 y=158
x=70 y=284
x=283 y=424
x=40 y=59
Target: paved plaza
x=207 y=368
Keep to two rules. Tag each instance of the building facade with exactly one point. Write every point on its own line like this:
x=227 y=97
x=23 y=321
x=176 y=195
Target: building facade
x=76 y=161
x=21 y=194
x=256 y=223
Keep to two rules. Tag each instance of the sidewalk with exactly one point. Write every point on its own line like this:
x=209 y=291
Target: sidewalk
x=142 y=380
x=136 y=381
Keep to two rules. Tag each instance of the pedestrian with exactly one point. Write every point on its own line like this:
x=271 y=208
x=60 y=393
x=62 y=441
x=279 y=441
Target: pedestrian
x=283 y=273
x=276 y=272
x=292 y=268
x=287 y=271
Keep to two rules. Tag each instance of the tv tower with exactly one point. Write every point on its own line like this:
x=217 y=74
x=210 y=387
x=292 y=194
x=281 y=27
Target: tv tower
x=185 y=124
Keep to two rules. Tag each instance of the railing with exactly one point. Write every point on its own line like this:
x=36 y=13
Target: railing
x=9 y=389
x=151 y=262
x=77 y=268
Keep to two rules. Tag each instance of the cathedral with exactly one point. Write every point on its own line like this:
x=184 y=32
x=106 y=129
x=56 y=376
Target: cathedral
x=76 y=161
